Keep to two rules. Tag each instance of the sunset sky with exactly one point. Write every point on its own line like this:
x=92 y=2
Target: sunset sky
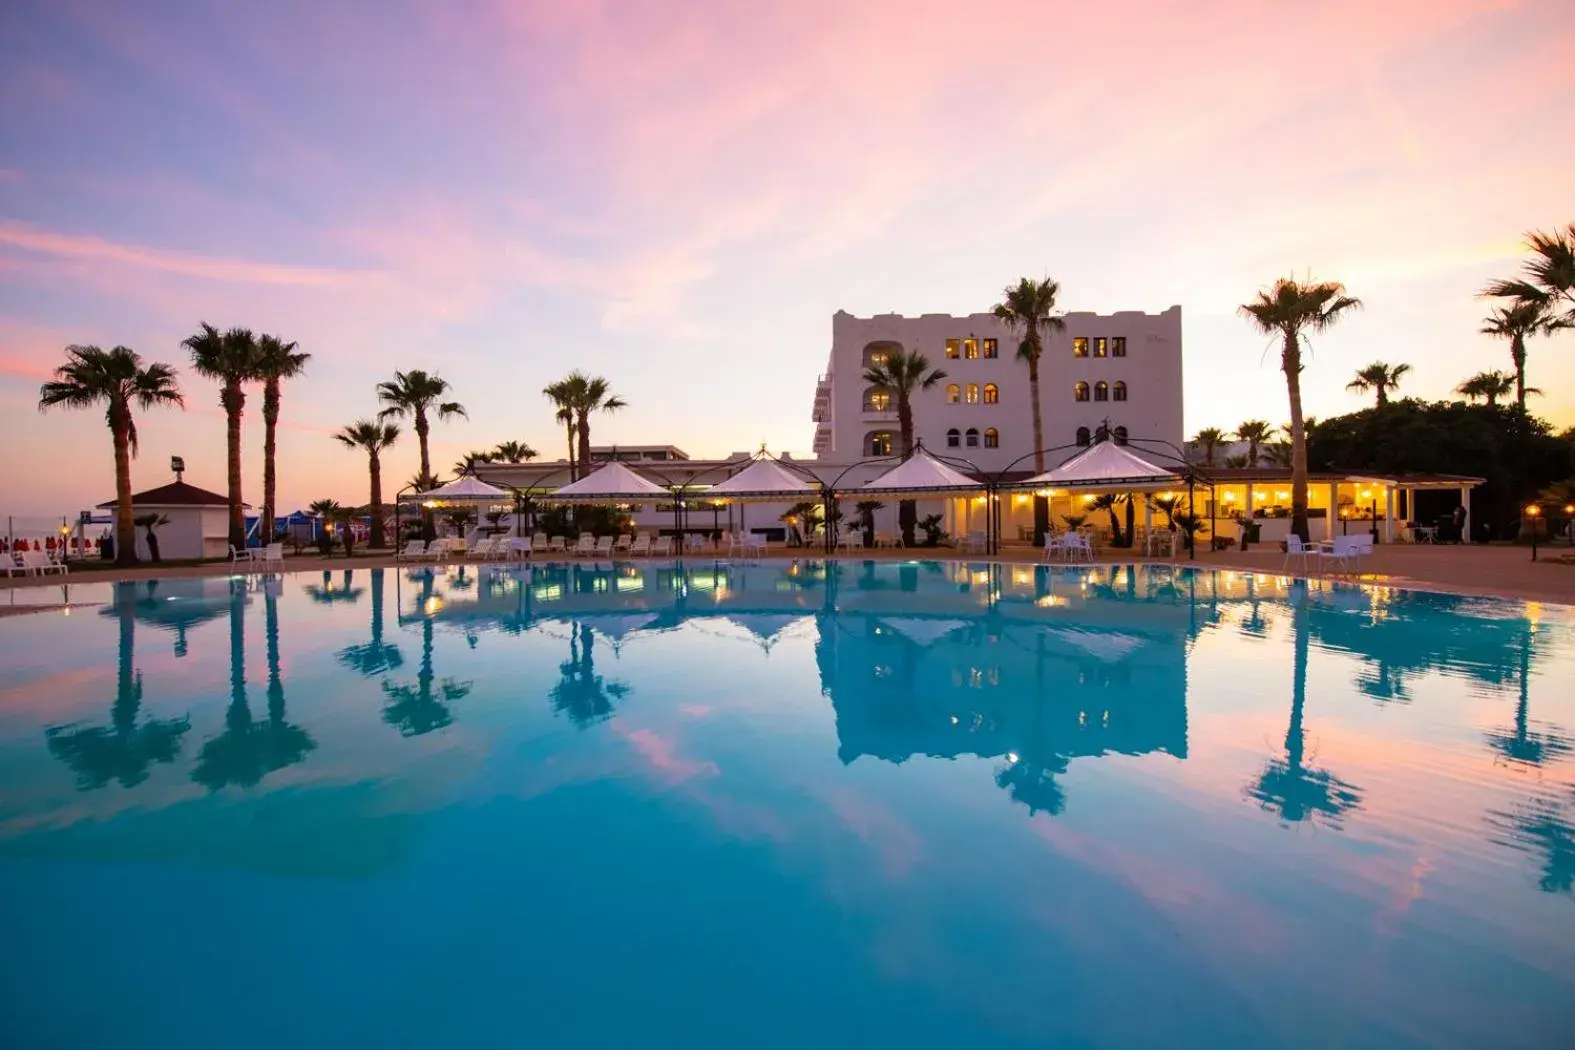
x=679 y=195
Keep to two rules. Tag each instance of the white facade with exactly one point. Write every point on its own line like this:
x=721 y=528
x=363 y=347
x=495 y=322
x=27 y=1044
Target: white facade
x=1123 y=369
x=191 y=532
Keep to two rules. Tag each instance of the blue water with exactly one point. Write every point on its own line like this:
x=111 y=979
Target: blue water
x=915 y=805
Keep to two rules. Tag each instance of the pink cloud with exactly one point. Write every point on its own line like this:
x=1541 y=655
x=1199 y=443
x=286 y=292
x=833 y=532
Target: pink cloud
x=662 y=756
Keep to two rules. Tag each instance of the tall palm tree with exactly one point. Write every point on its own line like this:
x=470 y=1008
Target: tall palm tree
x=1549 y=275
x=125 y=749
x=373 y=437
x=1209 y=439
x=583 y=395
x=513 y=452
x=1255 y=432
x=118 y=380
x=904 y=373
x=231 y=359
x=416 y=708
x=1516 y=322
x=1028 y=307
x=1289 y=310
x=277 y=361
x=558 y=393
x=1488 y=387
x=414 y=395
x=466 y=464
x=1380 y=378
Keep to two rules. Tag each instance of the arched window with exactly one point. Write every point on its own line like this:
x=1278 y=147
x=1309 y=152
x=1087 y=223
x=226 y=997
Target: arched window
x=953 y=438
x=953 y=393
x=876 y=354
x=1120 y=435
x=878 y=443
x=992 y=394
x=973 y=393
x=971 y=437
x=877 y=399
x=1119 y=391
x=1101 y=391
x=1083 y=437
x=1080 y=391
x=992 y=437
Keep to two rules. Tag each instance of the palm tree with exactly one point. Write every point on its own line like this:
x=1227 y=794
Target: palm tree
x=1278 y=454
x=1208 y=440
x=375 y=656
x=117 y=380
x=277 y=361
x=1549 y=279
x=1380 y=378
x=867 y=509
x=1516 y=322
x=231 y=359
x=412 y=707
x=1489 y=387
x=1028 y=307
x=414 y=394
x=513 y=452
x=581 y=693
x=558 y=394
x=903 y=373
x=150 y=525
x=1255 y=432
x=127 y=747
x=582 y=395
x=1288 y=310
x=374 y=437
x=466 y=464
x=1236 y=462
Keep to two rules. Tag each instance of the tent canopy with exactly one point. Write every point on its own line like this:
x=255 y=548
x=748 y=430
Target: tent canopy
x=1106 y=466
x=609 y=484
x=923 y=474
x=765 y=479
x=465 y=488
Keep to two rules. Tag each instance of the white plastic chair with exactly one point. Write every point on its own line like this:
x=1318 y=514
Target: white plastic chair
x=755 y=543
x=558 y=545
x=39 y=563
x=641 y=544
x=625 y=541
x=1295 y=548
x=273 y=554
x=413 y=549
x=586 y=544
x=662 y=545
x=539 y=541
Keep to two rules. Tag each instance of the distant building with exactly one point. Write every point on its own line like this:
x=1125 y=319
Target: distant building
x=198 y=523
x=1121 y=371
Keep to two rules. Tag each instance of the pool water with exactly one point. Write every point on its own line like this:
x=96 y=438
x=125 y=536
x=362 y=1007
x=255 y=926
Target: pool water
x=785 y=805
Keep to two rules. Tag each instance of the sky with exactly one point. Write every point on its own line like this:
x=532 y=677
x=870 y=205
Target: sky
x=679 y=196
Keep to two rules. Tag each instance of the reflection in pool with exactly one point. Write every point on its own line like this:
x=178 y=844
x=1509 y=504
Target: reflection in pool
x=931 y=804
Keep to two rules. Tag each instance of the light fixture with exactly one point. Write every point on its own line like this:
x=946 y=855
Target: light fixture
x=1230 y=497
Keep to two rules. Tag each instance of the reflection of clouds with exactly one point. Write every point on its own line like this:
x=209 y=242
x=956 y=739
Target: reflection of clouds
x=894 y=841
x=661 y=754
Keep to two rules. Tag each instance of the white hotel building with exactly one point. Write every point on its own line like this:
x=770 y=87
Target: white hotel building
x=1122 y=370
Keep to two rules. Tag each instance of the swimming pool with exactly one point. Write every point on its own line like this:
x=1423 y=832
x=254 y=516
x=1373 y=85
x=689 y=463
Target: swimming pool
x=786 y=805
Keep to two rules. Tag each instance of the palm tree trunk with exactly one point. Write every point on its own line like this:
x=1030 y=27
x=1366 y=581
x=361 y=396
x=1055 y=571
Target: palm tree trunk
x=377 y=610
x=125 y=526
x=1291 y=364
x=1517 y=353
x=422 y=430
x=275 y=680
x=233 y=400
x=907 y=510
x=375 y=468
x=126 y=700
x=270 y=446
x=1041 y=503
x=574 y=462
x=1295 y=736
x=1383 y=395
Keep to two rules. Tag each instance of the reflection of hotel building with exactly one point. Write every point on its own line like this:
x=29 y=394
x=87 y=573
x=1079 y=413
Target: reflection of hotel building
x=1123 y=368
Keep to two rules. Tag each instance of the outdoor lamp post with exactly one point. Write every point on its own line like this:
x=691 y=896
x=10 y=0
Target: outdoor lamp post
x=1533 y=512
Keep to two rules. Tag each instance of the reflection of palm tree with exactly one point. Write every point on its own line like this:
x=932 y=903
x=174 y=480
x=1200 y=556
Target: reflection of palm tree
x=1545 y=825
x=376 y=656
x=1287 y=786
x=1030 y=778
x=1520 y=744
x=327 y=593
x=246 y=751
x=582 y=694
x=124 y=750
x=413 y=707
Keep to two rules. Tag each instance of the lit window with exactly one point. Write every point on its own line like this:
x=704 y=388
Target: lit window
x=973 y=393
x=992 y=437
x=1101 y=346
x=878 y=358
x=1101 y=391
x=953 y=438
x=877 y=399
x=953 y=349
x=1080 y=391
x=1083 y=437
x=992 y=393
x=1120 y=434
x=989 y=348
x=971 y=349
x=1080 y=346
x=1118 y=346
x=953 y=393
x=878 y=443
x=972 y=438
x=1118 y=392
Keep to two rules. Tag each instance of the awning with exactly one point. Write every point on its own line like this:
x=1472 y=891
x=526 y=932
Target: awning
x=923 y=632
x=922 y=474
x=465 y=488
x=1106 y=466
x=613 y=483
x=765 y=479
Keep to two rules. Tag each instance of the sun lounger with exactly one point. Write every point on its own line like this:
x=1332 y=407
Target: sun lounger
x=39 y=563
x=625 y=541
x=641 y=544
x=414 y=550
x=604 y=546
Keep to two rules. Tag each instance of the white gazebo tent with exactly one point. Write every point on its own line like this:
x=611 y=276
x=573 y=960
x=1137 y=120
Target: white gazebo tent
x=922 y=476
x=466 y=489
x=765 y=480
x=1108 y=467
x=613 y=483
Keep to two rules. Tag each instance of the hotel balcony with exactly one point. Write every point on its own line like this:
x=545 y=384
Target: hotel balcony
x=822 y=439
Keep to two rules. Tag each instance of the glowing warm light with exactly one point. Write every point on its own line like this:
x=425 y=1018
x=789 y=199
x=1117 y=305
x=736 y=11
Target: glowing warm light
x=1011 y=756
x=429 y=504
x=1089 y=498
x=1367 y=493
x=1230 y=497
x=1569 y=508
x=432 y=605
x=1533 y=510
x=1282 y=494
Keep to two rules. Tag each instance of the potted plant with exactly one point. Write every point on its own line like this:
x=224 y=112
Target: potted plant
x=1251 y=531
